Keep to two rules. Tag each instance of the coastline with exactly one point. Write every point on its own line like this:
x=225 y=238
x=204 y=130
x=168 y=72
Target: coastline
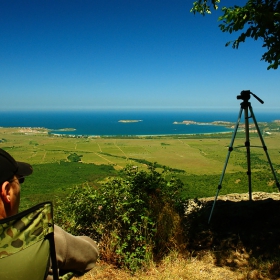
x=140 y=135
x=130 y=123
x=225 y=124
x=47 y=131
x=226 y=128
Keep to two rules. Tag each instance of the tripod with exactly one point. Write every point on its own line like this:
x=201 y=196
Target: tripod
x=245 y=106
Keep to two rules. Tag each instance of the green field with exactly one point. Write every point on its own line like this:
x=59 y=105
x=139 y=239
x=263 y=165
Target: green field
x=198 y=160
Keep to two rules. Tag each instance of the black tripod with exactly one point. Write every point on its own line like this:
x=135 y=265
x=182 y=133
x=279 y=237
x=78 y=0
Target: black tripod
x=246 y=106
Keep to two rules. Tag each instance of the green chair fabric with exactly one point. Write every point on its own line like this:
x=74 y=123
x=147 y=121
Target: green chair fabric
x=27 y=244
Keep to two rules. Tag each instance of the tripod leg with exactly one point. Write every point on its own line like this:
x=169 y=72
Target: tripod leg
x=230 y=148
x=247 y=145
x=264 y=147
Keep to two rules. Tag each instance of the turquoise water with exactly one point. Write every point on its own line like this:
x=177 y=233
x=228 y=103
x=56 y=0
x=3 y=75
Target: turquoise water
x=100 y=122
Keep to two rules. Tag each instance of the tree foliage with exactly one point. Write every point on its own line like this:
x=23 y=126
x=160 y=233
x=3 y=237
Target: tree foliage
x=73 y=157
x=257 y=19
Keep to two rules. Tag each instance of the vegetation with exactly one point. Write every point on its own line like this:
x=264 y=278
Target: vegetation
x=261 y=19
x=241 y=242
x=121 y=192
x=136 y=218
x=197 y=160
x=74 y=157
x=51 y=181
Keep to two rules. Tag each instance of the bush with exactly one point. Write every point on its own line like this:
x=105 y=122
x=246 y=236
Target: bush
x=135 y=218
x=74 y=157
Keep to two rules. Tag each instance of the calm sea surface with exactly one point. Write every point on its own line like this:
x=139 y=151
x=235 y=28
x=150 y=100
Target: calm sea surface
x=107 y=122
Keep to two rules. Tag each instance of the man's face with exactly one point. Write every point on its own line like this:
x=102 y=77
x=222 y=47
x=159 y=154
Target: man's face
x=14 y=195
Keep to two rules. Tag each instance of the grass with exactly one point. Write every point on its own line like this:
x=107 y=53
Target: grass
x=200 y=157
x=194 y=155
x=242 y=241
x=171 y=268
x=50 y=181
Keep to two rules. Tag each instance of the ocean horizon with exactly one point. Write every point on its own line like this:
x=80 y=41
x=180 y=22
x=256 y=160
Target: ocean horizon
x=148 y=122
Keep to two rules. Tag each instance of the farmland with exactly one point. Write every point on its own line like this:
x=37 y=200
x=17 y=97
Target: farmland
x=62 y=162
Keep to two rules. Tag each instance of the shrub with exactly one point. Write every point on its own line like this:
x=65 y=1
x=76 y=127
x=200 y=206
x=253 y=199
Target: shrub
x=74 y=157
x=135 y=218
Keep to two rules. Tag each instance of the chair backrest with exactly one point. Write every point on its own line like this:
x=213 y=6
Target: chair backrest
x=27 y=244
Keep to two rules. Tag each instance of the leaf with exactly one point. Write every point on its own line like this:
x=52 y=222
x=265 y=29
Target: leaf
x=258 y=20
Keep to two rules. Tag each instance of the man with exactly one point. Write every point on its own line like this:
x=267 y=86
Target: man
x=74 y=253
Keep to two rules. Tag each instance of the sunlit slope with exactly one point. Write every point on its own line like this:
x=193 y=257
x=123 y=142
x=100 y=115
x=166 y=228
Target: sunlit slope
x=201 y=155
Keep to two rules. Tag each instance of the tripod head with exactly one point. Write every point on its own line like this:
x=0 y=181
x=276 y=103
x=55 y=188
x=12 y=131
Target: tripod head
x=245 y=96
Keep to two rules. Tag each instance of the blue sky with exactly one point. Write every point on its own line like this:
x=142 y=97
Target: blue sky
x=125 y=54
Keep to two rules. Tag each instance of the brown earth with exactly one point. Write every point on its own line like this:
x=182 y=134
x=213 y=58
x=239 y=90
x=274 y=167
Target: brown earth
x=242 y=234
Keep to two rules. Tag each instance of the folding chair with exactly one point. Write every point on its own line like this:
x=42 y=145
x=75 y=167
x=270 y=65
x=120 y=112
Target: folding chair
x=27 y=244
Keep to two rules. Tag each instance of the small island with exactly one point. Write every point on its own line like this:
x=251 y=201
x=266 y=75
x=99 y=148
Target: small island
x=64 y=129
x=129 y=121
x=222 y=123
x=265 y=126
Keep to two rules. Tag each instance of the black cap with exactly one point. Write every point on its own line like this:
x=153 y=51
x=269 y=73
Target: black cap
x=9 y=167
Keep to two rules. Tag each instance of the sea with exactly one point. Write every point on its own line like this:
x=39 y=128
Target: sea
x=148 y=122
